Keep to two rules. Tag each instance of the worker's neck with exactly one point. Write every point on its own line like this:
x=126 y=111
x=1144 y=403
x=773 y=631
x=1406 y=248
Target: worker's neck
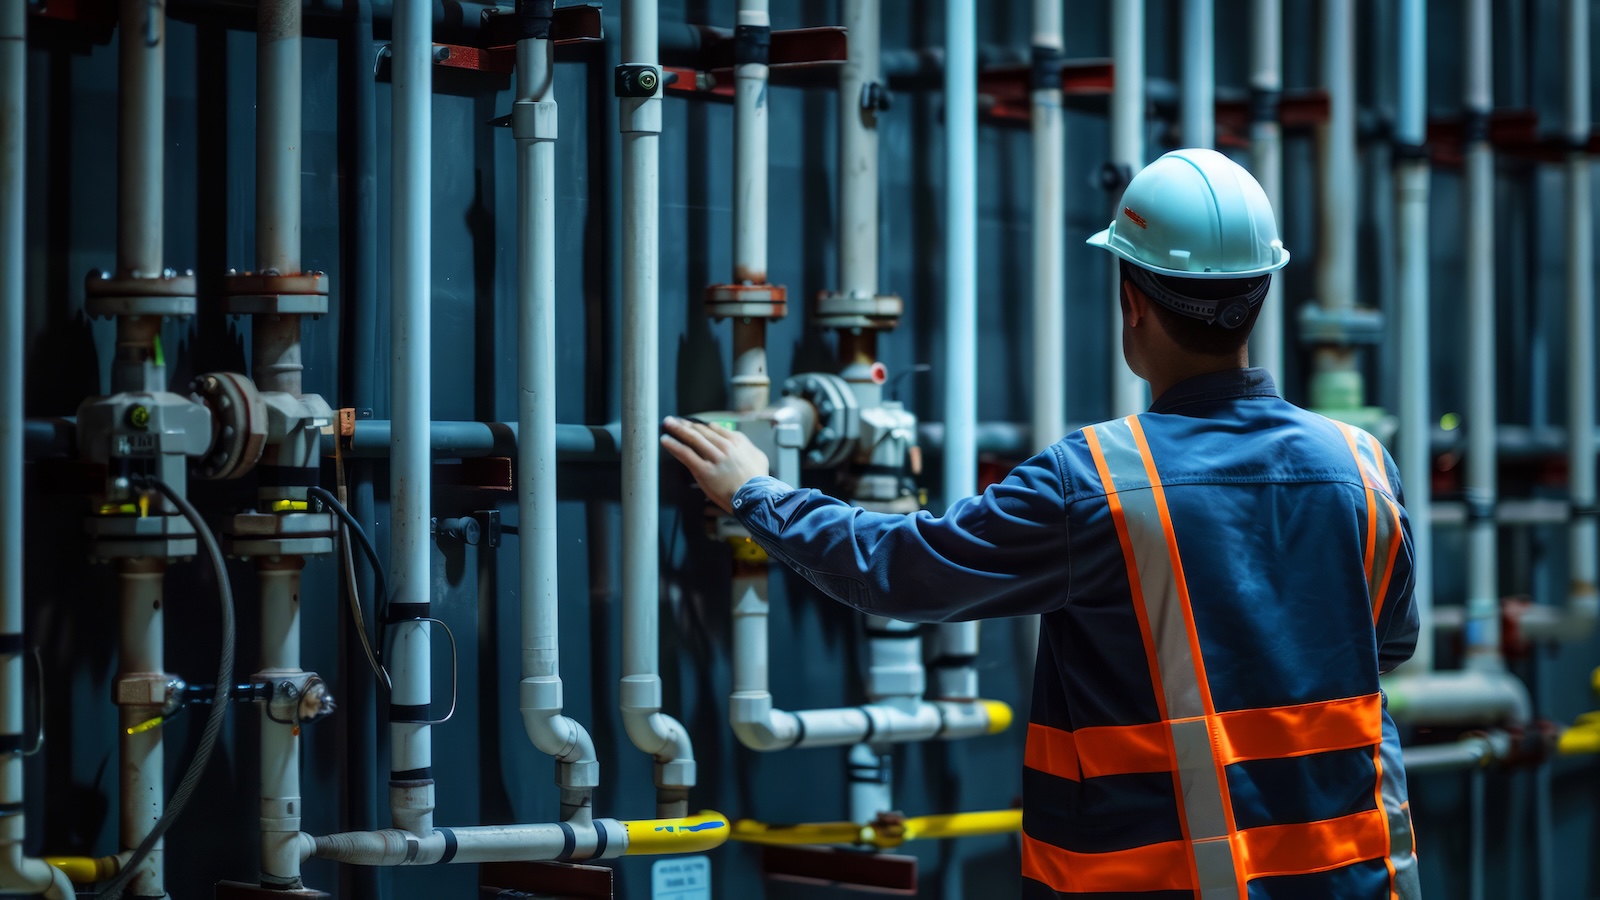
x=1180 y=367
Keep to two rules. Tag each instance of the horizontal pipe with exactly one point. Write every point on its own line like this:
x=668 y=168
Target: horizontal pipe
x=1467 y=753
x=1458 y=698
x=883 y=835
x=761 y=727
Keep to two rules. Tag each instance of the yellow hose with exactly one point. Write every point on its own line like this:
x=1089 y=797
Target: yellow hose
x=1583 y=739
x=85 y=869
x=999 y=716
x=691 y=834
x=883 y=835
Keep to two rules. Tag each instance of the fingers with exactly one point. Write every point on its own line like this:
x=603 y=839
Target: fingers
x=684 y=454
x=716 y=434
x=728 y=435
x=694 y=437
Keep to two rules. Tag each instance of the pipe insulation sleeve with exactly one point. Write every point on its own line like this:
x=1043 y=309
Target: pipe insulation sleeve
x=411 y=799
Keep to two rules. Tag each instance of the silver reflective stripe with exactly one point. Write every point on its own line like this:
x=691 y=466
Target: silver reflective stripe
x=1186 y=709
x=1407 y=884
x=1373 y=473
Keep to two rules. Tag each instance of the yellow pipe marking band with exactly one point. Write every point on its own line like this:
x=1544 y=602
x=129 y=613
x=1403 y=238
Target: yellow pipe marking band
x=85 y=869
x=799 y=835
x=999 y=715
x=691 y=834
x=941 y=827
x=279 y=506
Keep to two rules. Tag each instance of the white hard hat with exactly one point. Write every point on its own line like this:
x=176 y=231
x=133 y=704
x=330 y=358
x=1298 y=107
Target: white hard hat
x=1195 y=214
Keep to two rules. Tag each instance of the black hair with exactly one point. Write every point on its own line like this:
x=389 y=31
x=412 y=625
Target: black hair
x=1197 y=335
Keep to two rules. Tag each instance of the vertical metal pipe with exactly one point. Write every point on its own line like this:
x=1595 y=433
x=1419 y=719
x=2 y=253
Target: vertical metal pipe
x=410 y=371
x=1127 y=156
x=1582 y=601
x=1336 y=382
x=1412 y=186
x=640 y=694
x=1049 y=417
x=140 y=658
x=534 y=126
x=1266 y=163
x=957 y=678
x=1483 y=603
x=858 y=152
x=275 y=339
x=1199 y=74
x=141 y=99
x=280 y=741
x=751 y=384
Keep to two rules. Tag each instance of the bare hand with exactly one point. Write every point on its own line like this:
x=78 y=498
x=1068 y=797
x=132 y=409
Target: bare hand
x=720 y=460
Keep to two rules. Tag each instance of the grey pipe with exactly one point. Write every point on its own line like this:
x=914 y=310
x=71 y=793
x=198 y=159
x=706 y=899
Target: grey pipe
x=1128 y=392
x=275 y=340
x=411 y=787
x=1266 y=163
x=533 y=125
x=1468 y=753
x=1199 y=74
x=1411 y=205
x=1583 y=602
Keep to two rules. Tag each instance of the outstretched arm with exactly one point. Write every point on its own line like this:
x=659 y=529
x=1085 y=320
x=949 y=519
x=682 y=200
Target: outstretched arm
x=1002 y=553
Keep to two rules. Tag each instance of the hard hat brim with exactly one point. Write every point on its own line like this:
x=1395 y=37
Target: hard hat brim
x=1102 y=239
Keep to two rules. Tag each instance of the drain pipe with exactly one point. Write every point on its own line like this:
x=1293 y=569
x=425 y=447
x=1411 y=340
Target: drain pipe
x=955 y=675
x=661 y=736
x=411 y=785
x=19 y=873
x=1266 y=163
x=1128 y=390
x=1199 y=74
x=1049 y=242
x=1577 y=621
x=1483 y=604
x=533 y=125
x=1411 y=205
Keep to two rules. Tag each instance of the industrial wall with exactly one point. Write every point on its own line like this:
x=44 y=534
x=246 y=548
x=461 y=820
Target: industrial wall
x=1535 y=817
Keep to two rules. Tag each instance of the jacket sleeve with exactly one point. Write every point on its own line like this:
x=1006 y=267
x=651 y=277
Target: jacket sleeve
x=1002 y=553
x=1398 y=625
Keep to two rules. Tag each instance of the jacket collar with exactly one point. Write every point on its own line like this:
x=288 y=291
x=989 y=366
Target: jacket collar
x=1230 y=384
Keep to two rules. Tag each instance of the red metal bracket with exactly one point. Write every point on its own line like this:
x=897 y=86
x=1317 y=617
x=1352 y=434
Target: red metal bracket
x=798 y=57
x=1004 y=92
x=1513 y=131
x=1296 y=109
x=497 y=54
x=878 y=873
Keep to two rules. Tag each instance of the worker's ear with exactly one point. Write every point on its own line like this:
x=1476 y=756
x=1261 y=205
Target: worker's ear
x=1135 y=305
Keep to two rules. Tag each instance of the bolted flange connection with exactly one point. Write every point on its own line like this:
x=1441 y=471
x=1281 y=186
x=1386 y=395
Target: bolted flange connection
x=274 y=293
x=169 y=293
x=238 y=425
x=844 y=309
x=748 y=301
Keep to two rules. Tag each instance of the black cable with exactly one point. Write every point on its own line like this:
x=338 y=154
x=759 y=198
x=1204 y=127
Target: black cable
x=219 y=704
x=332 y=502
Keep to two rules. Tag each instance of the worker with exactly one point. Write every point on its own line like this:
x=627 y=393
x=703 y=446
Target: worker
x=1222 y=579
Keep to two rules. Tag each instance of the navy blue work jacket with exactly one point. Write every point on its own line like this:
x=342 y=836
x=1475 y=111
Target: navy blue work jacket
x=1222 y=580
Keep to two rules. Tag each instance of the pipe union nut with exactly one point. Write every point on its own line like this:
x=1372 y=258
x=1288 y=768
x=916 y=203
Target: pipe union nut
x=579 y=775
x=679 y=773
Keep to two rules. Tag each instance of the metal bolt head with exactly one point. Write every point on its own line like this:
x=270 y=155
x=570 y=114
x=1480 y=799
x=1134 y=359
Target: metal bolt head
x=139 y=416
x=648 y=80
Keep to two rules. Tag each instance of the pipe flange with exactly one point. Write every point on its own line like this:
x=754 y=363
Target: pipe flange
x=750 y=301
x=238 y=425
x=167 y=294
x=272 y=293
x=841 y=309
x=838 y=425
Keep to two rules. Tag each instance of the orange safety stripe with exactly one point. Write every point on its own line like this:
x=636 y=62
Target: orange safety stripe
x=1396 y=537
x=1388 y=845
x=1246 y=734
x=1372 y=501
x=1314 y=846
x=1265 y=851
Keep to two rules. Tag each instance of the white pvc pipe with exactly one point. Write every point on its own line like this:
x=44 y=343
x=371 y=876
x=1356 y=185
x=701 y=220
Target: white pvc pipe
x=1336 y=381
x=280 y=742
x=1583 y=603
x=18 y=873
x=1266 y=163
x=475 y=844
x=1412 y=188
x=275 y=339
x=141 y=122
x=1458 y=698
x=858 y=153
x=411 y=787
x=959 y=640
x=140 y=661
x=640 y=695
x=1128 y=391
x=750 y=157
x=533 y=125
x=1483 y=598
x=1199 y=74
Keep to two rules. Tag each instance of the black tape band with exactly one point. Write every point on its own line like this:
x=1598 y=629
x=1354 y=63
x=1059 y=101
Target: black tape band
x=885 y=634
x=423 y=774
x=752 y=45
x=872 y=728
x=1045 y=70
x=450 y=845
x=289 y=476
x=407 y=612
x=11 y=644
x=409 y=714
x=1404 y=151
x=1479 y=511
x=1264 y=104
x=1584 y=512
x=10 y=809
x=569 y=842
x=799 y=732
x=11 y=743
x=954 y=660
x=600 y=841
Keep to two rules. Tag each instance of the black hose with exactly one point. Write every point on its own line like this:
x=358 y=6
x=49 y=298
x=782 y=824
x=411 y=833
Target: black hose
x=332 y=502
x=219 y=702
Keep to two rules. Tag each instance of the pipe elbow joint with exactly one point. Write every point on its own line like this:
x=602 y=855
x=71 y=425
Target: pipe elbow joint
x=557 y=735
x=656 y=733
x=760 y=727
